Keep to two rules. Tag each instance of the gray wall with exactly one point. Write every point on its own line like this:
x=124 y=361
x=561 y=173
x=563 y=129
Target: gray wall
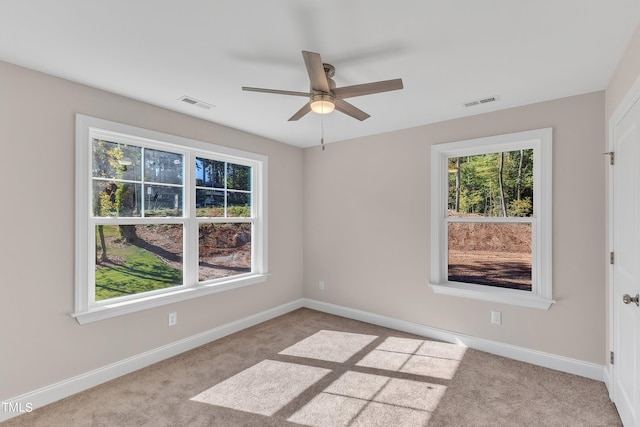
x=40 y=343
x=367 y=228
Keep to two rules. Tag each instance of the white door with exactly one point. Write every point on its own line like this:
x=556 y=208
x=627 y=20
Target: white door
x=626 y=267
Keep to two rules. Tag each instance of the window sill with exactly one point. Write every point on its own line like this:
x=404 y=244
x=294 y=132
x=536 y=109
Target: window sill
x=488 y=293
x=101 y=312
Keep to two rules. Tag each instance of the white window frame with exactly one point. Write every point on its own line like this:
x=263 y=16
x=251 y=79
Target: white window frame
x=86 y=308
x=540 y=140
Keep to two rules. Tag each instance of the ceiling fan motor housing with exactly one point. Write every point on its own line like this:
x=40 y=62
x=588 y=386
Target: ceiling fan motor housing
x=329 y=70
x=323 y=102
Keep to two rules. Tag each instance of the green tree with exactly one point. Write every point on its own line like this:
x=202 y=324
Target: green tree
x=493 y=184
x=109 y=162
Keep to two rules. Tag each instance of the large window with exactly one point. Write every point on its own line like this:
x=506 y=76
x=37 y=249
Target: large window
x=161 y=218
x=491 y=218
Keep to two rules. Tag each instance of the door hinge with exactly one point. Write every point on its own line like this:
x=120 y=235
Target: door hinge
x=612 y=156
x=611 y=357
x=610 y=257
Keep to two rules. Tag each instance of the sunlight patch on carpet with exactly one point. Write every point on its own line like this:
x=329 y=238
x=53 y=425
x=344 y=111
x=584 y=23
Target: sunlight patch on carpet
x=431 y=367
x=264 y=388
x=331 y=346
x=418 y=357
x=371 y=400
x=442 y=350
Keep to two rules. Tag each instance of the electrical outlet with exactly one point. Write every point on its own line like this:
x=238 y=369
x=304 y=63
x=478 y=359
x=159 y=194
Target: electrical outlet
x=321 y=285
x=173 y=319
x=496 y=317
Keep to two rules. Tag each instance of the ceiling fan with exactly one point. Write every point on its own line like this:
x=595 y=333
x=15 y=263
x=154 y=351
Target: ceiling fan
x=324 y=96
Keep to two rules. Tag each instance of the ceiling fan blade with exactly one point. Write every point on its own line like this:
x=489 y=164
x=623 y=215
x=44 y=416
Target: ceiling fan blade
x=301 y=112
x=276 y=91
x=368 y=88
x=316 y=71
x=351 y=110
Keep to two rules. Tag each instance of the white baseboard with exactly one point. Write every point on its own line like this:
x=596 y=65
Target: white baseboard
x=35 y=399
x=45 y=395
x=547 y=360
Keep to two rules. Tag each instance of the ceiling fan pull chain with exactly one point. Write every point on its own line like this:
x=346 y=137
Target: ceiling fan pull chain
x=322 y=131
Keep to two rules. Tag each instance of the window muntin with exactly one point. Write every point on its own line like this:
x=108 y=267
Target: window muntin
x=491 y=218
x=223 y=189
x=122 y=189
x=141 y=212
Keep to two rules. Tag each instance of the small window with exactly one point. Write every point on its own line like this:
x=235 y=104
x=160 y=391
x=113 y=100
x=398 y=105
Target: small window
x=162 y=219
x=491 y=218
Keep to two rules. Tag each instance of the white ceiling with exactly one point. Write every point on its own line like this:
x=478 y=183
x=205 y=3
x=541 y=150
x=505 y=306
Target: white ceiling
x=447 y=52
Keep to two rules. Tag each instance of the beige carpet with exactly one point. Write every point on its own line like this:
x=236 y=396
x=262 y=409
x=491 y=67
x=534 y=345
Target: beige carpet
x=314 y=369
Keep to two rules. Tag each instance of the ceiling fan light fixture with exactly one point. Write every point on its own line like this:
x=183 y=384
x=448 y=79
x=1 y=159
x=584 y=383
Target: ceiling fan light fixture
x=322 y=103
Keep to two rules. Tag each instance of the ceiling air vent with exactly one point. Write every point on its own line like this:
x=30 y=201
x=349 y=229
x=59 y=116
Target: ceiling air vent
x=193 y=101
x=481 y=101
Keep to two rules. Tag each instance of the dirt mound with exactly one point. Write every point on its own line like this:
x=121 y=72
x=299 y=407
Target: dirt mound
x=496 y=237
x=494 y=254
x=224 y=249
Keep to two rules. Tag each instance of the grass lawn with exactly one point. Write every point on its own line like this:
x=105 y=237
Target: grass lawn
x=131 y=270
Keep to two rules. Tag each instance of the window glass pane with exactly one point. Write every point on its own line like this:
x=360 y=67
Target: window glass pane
x=132 y=259
x=491 y=185
x=209 y=173
x=162 y=200
x=115 y=161
x=209 y=203
x=494 y=254
x=224 y=250
x=116 y=199
x=131 y=164
x=163 y=167
x=238 y=204
x=238 y=177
